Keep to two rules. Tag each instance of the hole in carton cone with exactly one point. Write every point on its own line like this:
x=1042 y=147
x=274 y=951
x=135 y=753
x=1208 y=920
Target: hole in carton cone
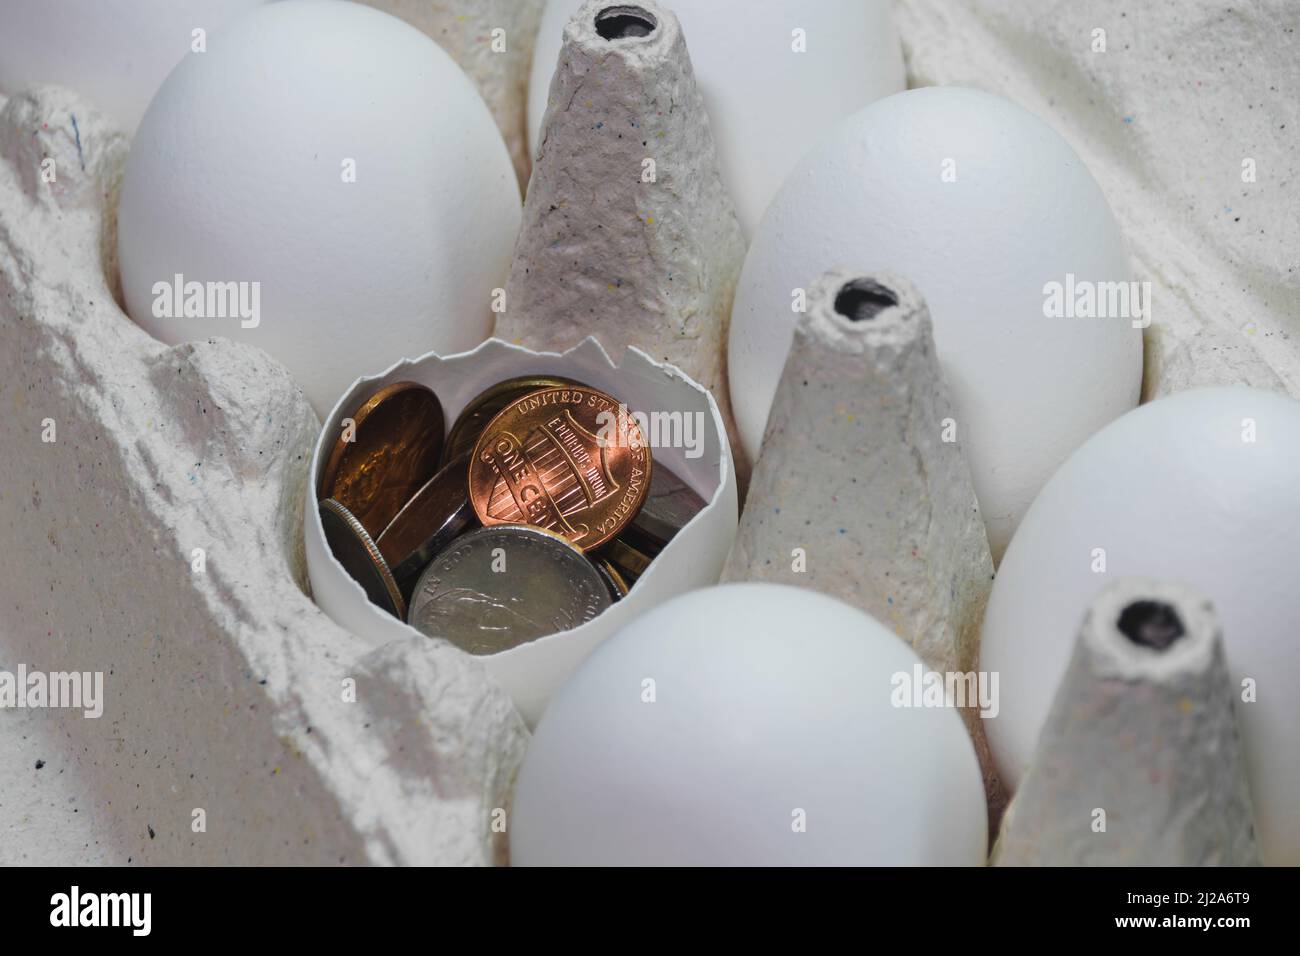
x=619 y=23
x=863 y=299
x=1152 y=624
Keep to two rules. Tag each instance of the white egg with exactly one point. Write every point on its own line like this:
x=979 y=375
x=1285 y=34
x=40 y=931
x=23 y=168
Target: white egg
x=748 y=724
x=767 y=100
x=1201 y=488
x=981 y=205
x=115 y=53
x=332 y=172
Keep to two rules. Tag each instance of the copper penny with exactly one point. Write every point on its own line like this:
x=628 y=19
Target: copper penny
x=462 y=435
x=388 y=453
x=353 y=548
x=436 y=514
x=568 y=459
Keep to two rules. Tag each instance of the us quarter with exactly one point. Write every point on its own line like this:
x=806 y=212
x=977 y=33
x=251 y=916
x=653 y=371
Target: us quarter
x=501 y=586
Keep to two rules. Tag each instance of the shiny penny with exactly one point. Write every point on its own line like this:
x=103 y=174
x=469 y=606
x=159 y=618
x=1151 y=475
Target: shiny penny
x=353 y=548
x=434 y=516
x=563 y=459
x=484 y=407
x=387 y=455
x=496 y=588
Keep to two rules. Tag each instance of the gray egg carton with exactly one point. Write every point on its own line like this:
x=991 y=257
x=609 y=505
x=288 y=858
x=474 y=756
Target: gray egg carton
x=158 y=540
x=240 y=725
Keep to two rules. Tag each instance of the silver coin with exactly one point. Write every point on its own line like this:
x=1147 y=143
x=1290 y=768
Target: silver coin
x=668 y=506
x=614 y=579
x=502 y=586
x=353 y=548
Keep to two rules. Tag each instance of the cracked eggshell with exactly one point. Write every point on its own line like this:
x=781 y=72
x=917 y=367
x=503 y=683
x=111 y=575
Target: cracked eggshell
x=1018 y=211
x=765 y=101
x=705 y=731
x=239 y=173
x=1174 y=490
x=114 y=52
x=693 y=559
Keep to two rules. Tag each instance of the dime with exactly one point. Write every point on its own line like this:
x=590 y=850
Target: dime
x=495 y=588
x=569 y=459
x=670 y=504
x=484 y=407
x=356 y=551
x=394 y=448
x=427 y=523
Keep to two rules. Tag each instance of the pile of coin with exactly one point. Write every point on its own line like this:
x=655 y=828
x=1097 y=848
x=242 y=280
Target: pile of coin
x=535 y=511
